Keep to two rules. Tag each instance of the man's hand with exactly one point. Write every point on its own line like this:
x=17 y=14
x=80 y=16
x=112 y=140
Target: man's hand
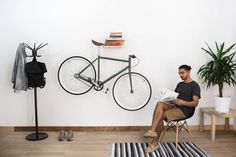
x=193 y=103
x=179 y=102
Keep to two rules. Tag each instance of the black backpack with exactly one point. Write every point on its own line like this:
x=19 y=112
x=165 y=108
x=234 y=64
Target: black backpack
x=35 y=72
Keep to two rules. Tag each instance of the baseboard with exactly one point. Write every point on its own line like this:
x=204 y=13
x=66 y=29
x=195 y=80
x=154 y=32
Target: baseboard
x=84 y=128
x=6 y=129
x=104 y=128
x=208 y=127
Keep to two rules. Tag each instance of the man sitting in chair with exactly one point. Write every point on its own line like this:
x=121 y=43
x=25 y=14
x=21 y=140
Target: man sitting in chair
x=183 y=107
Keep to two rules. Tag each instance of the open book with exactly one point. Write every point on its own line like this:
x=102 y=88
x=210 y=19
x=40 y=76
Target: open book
x=167 y=96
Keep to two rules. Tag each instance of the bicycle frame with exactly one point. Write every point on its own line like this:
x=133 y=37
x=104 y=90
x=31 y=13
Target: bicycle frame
x=112 y=76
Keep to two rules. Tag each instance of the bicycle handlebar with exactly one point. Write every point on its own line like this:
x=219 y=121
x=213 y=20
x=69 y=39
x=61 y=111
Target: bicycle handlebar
x=132 y=56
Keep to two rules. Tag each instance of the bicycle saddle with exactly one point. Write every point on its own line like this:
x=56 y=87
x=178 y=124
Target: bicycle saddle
x=97 y=43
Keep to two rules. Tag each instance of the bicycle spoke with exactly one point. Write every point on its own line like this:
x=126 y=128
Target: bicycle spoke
x=68 y=79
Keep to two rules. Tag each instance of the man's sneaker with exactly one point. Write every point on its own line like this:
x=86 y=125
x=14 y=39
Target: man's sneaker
x=62 y=136
x=151 y=148
x=150 y=133
x=70 y=136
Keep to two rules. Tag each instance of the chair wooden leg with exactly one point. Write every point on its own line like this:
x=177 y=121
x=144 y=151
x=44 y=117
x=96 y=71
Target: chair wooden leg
x=176 y=135
x=163 y=132
x=189 y=132
x=161 y=136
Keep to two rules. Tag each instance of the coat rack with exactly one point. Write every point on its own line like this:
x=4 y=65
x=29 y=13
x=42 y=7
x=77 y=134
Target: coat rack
x=36 y=136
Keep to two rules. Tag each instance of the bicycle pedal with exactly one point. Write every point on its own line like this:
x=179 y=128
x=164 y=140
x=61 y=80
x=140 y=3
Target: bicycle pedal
x=106 y=91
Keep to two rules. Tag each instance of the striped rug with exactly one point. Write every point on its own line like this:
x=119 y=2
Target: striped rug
x=185 y=149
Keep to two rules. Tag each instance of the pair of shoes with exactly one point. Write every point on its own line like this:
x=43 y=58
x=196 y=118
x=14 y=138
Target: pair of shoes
x=150 y=133
x=152 y=148
x=66 y=135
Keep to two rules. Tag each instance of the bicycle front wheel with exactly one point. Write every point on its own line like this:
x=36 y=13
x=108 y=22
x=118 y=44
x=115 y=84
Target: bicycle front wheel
x=132 y=100
x=67 y=75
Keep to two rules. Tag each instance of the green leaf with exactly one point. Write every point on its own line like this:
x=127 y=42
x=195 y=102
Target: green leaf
x=228 y=49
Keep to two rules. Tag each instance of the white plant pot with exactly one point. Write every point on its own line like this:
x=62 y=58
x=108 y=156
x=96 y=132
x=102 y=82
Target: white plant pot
x=222 y=104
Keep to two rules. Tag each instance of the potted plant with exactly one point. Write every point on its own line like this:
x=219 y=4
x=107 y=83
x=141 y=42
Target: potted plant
x=218 y=71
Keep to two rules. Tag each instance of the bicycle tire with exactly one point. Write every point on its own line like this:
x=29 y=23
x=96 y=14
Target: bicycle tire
x=65 y=71
x=120 y=89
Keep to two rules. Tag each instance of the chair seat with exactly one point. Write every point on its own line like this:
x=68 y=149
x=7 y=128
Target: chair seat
x=185 y=117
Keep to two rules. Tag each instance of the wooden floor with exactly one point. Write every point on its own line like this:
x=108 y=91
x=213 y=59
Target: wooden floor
x=98 y=144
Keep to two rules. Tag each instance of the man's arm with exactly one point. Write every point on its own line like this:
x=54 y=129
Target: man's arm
x=193 y=103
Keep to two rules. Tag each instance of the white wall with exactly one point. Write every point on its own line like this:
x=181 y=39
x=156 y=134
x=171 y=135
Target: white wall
x=163 y=34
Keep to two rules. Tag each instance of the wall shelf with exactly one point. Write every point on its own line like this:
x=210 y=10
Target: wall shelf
x=114 y=42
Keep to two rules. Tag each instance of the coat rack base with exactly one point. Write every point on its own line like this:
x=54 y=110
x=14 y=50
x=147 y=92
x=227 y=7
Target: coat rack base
x=36 y=136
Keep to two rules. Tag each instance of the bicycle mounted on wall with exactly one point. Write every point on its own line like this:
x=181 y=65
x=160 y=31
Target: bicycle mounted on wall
x=77 y=75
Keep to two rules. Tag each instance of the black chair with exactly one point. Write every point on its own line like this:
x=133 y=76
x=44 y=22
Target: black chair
x=178 y=125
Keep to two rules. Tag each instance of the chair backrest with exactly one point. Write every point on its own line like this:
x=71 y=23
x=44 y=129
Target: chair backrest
x=191 y=113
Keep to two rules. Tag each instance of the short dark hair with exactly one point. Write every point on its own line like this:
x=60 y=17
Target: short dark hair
x=186 y=67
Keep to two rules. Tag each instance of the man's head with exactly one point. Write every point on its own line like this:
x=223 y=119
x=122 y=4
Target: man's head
x=184 y=71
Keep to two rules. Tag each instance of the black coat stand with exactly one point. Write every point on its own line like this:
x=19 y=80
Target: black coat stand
x=37 y=135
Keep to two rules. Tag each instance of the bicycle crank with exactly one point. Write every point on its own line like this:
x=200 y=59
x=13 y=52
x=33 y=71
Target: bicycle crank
x=99 y=86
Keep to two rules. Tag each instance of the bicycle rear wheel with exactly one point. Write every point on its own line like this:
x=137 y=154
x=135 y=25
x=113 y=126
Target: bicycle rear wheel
x=67 y=75
x=135 y=100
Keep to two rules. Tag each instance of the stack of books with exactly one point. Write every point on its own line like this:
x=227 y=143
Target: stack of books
x=116 y=35
x=114 y=40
